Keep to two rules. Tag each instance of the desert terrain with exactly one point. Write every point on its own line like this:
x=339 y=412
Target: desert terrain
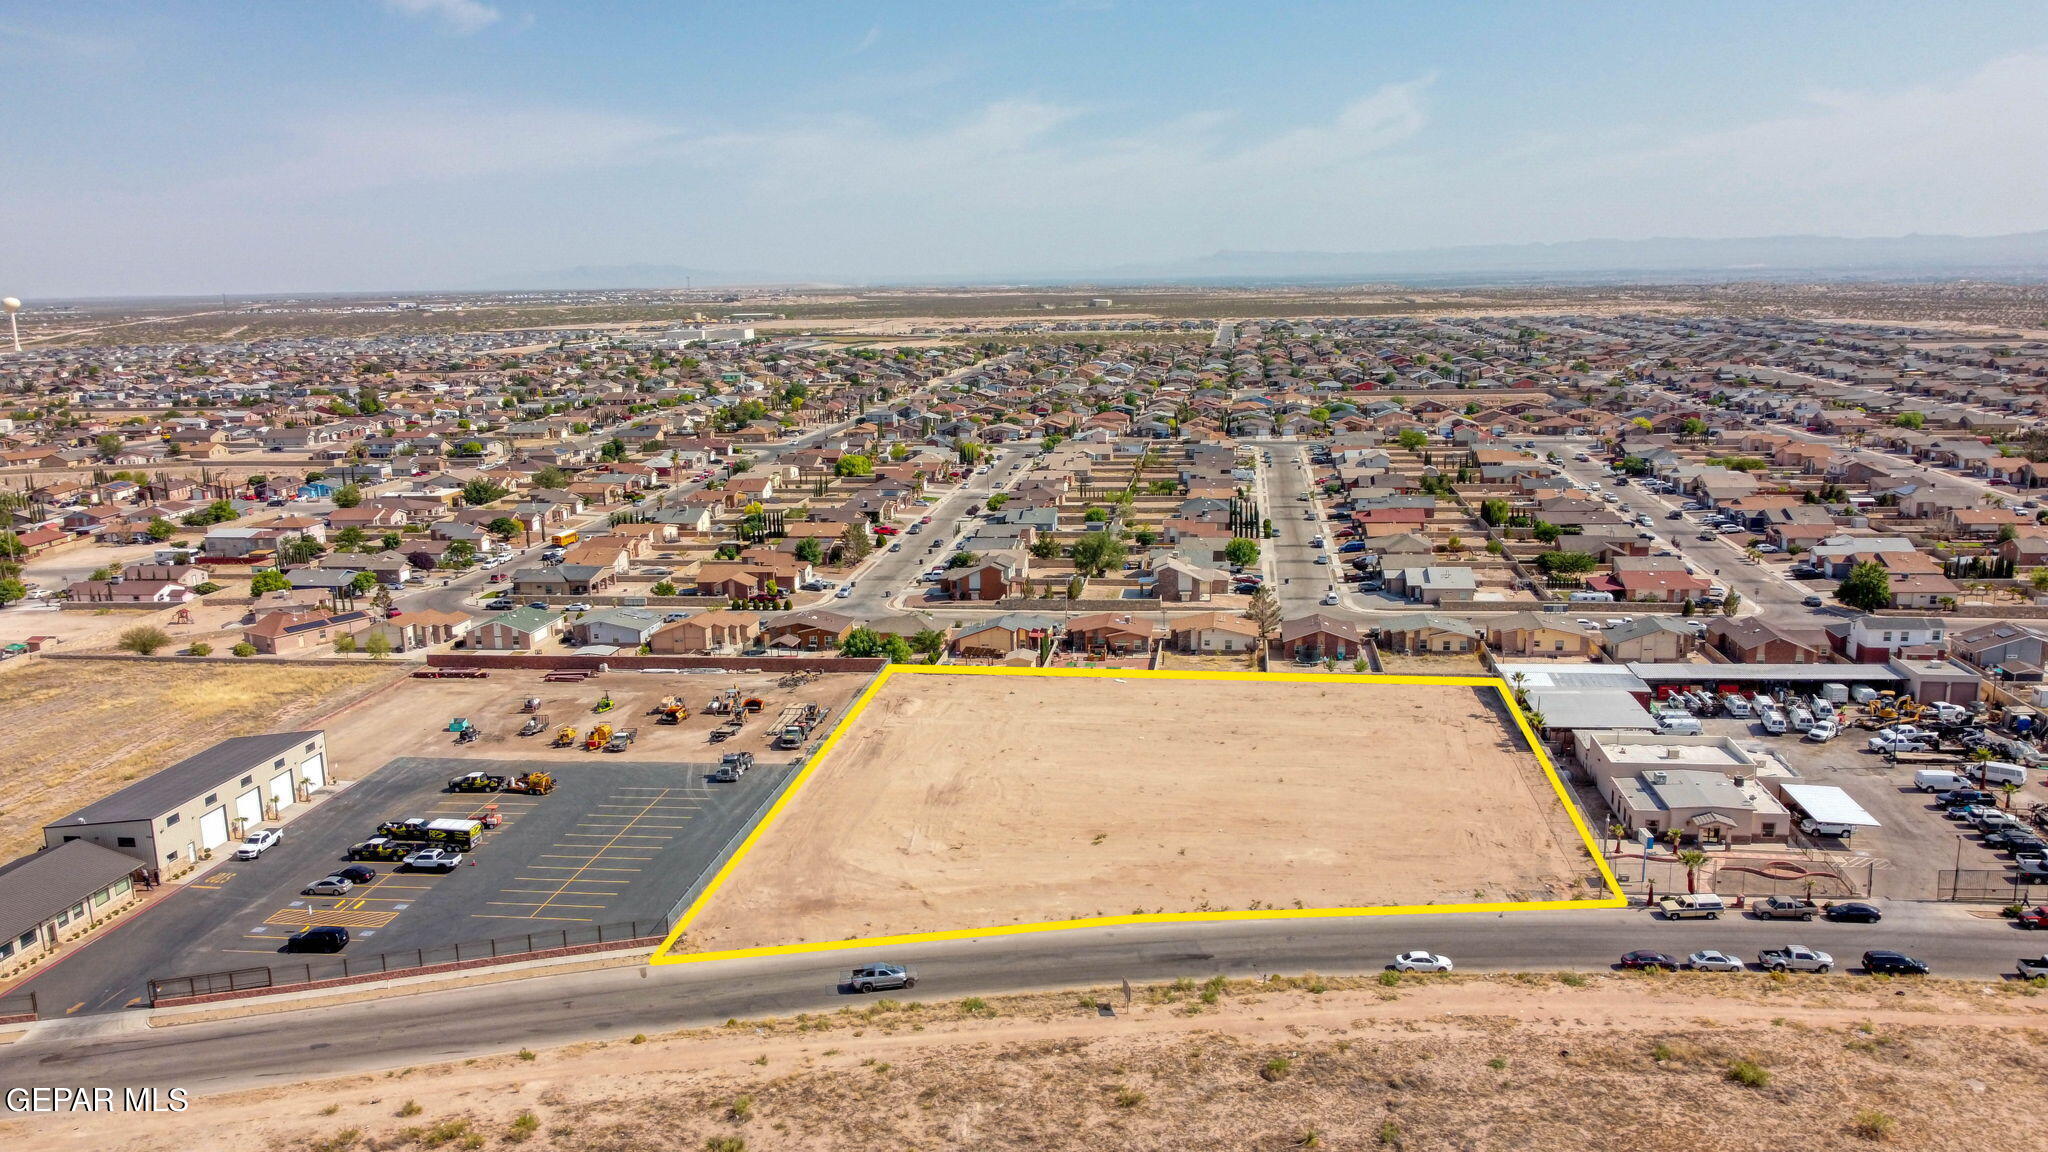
x=73 y=731
x=963 y=801
x=1529 y=1061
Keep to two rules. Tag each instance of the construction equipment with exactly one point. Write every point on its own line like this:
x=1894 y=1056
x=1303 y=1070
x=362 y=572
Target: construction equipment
x=534 y=726
x=751 y=704
x=459 y=724
x=599 y=737
x=671 y=711
x=532 y=704
x=604 y=703
x=667 y=702
x=468 y=735
x=566 y=738
x=622 y=740
x=722 y=703
x=730 y=728
x=531 y=783
x=794 y=726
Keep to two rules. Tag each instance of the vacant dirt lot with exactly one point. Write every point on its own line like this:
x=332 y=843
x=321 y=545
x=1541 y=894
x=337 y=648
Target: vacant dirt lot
x=963 y=801
x=1616 y=1064
x=72 y=731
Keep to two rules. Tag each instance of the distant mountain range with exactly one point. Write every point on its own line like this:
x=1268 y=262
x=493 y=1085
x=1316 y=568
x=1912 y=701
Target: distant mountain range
x=1774 y=256
x=1664 y=258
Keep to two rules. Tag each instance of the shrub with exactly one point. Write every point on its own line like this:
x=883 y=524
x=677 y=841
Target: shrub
x=244 y=649
x=1276 y=1069
x=1389 y=978
x=1128 y=1097
x=1749 y=1074
x=409 y=1108
x=199 y=648
x=143 y=640
x=724 y=1144
x=1872 y=1125
x=740 y=1110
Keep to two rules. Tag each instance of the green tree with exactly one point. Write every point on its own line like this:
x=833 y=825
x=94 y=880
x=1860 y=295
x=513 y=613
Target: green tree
x=1911 y=420
x=928 y=642
x=504 y=528
x=995 y=503
x=362 y=583
x=1546 y=532
x=480 y=491
x=664 y=588
x=1264 y=613
x=377 y=645
x=11 y=590
x=862 y=642
x=1241 y=552
x=107 y=445
x=160 y=529
x=853 y=464
x=1692 y=428
x=299 y=550
x=1495 y=512
x=550 y=477
x=1412 y=439
x=858 y=541
x=347 y=496
x=1561 y=563
x=268 y=580
x=244 y=649
x=350 y=539
x=1867 y=588
x=1097 y=553
x=810 y=551
x=460 y=554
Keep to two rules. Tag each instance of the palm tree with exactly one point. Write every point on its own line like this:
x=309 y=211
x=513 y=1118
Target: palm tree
x=1538 y=721
x=1692 y=858
x=2010 y=789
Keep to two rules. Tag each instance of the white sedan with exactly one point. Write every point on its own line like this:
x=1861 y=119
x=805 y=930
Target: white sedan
x=1711 y=961
x=1421 y=962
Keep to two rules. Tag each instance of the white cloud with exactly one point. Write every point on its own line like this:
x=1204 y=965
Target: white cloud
x=872 y=38
x=463 y=16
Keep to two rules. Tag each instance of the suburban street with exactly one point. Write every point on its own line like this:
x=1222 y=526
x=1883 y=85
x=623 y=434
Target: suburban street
x=619 y=1002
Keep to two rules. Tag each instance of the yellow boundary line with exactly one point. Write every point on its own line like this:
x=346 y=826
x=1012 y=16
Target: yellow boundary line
x=1614 y=899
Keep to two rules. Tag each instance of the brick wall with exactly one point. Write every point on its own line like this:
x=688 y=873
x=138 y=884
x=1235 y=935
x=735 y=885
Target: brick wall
x=509 y=661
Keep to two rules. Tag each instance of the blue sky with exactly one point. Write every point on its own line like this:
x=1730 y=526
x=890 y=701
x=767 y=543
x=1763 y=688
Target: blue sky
x=169 y=147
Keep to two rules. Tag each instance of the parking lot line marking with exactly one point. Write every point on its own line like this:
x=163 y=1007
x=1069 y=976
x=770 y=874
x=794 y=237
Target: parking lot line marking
x=496 y=916
x=585 y=880
x=568 y=883
x=538 y=904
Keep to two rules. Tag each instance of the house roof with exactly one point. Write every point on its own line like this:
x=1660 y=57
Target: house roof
x=36 y=888
x=196 y=775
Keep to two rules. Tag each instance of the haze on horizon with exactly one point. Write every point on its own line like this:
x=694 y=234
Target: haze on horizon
x=184 y=147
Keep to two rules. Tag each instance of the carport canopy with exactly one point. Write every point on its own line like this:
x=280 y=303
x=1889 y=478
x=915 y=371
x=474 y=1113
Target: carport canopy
x=1827 y=804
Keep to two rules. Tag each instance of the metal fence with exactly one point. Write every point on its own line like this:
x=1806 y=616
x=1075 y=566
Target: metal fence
x=19 y=1004
x=398 y=963
x=1990 y=886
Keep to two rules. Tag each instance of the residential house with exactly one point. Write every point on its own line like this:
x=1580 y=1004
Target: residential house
x=522 y=629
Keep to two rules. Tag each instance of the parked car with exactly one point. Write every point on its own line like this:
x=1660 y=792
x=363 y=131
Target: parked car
x=1823 y=731
x=1794 y=958
x=1884 y=962
x=2033 y=917
x=1964 y=798
x=2033 y=969
x=358 y=873
x=1784 y=908
x=1813 y=602
x=322 y=939
x=2015 y=840
x=1421 y=962
x=331 y=886
x=1711 y=961
x=1853 y=912
x=258 y=842
x=427 y=859
x=1645 y=958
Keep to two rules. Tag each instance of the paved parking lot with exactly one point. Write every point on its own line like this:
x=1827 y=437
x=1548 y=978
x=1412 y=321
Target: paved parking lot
x=1914 y=842
x=617 y=841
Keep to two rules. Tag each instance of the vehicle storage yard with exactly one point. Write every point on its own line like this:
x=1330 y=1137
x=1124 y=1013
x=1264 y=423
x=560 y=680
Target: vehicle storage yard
x=956 y=801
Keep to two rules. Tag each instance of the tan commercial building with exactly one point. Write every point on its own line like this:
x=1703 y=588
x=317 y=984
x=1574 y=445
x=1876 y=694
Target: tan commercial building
x=193 y=807
x=1705 y=787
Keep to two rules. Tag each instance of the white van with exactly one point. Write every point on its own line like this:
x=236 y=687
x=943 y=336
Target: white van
x=1799 y=718
x=1592 y=598
x=1735 y=705
x=1678 y=724
x=1774 y=721
x=1997 y=772
x=1940 y=780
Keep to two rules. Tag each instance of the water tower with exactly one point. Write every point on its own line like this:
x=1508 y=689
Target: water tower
x=13 y=306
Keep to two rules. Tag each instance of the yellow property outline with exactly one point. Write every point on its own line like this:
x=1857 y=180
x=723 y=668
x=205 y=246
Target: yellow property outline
x=1614 y=899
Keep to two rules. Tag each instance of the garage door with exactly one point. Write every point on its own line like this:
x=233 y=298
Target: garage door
x=315 y=770
x=213 y=828
x=281 y=793
x=249 y=806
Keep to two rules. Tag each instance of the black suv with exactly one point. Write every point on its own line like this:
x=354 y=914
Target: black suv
x=1964 y=797
x=318 y=940
x=1888 y=963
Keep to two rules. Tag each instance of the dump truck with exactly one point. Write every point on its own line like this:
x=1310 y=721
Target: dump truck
x=461 y=835
x=732 y=766
x=534 y=726
x=566 y=737
x=622 y=740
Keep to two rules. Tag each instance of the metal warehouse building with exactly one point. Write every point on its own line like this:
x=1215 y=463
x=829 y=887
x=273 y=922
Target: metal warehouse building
x=198 y=804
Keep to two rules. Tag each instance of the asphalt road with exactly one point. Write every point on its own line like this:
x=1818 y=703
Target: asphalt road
x=612 y=1003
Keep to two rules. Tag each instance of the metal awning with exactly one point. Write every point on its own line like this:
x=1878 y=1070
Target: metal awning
x=1827 y=804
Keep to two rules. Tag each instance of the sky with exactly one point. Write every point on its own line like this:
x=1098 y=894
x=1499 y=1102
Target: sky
x=178 y=147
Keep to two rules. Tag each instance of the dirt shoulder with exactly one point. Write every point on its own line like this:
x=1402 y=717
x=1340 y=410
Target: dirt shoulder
x=1475 y=1063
